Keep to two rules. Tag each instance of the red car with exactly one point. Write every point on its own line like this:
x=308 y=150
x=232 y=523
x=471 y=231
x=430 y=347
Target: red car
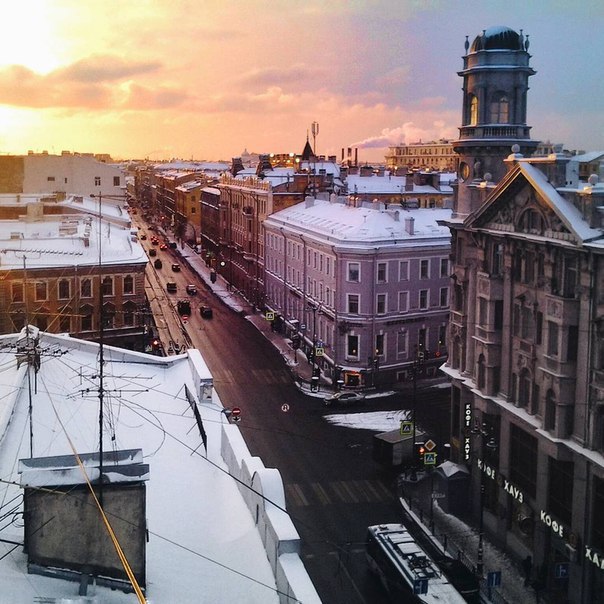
x=163 y=246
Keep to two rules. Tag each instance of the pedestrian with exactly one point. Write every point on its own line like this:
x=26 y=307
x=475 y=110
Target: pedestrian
x=527 y=567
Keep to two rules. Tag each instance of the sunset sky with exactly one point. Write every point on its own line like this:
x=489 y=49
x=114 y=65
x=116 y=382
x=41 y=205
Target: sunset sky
x=206 y=79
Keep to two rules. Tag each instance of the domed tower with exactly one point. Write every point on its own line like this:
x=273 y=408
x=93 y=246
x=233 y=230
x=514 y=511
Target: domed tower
x=495 y=84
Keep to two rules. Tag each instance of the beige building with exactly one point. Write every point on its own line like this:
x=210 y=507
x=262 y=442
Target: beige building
x=433 y=155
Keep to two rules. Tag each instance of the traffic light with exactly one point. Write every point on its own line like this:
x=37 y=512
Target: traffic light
x=419 y=453
x=314 y=383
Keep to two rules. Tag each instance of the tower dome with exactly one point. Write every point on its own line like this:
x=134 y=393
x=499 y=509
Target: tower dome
x=498 y=38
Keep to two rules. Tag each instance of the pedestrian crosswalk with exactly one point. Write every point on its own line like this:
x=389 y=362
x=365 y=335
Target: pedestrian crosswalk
x=337 y=492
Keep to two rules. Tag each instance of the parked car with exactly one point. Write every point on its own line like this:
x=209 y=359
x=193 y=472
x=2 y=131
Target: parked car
x=163 y=247
x=191 y=290
x=171 y=287
x=157 y=263
x=143 y=237
x=173 y=245
x=206 y=312
x=152 y=252
x=176 y=268
x=344 y=397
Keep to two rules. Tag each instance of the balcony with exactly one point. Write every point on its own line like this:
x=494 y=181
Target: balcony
x=490 y=286
x=495 y=132
x=457 y=318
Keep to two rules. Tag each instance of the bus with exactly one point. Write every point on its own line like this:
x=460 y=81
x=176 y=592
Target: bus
x=404 y=568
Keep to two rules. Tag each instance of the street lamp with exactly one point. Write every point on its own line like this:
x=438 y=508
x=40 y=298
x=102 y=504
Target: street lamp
x=487 y=443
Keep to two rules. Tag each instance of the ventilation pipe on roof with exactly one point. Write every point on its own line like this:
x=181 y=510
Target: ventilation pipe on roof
x=410 y=225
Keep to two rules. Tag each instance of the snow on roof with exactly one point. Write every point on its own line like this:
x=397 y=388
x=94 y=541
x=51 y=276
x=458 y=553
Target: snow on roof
x=337 y=221
x=564 y=209
x=70 y=240
x=203 y=543
x=192 y=166
x=588 y=157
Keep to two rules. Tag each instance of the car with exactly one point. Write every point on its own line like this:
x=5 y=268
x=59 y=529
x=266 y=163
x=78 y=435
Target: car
x=171 y=287
x=191 y=290
x=173 y=245
x=157 y=263
x=184 y=308
x=163 y=247
x=206 y=311
x=176 y=268
x=155 y=241
x=143 y=237
x=344 y=397
x=152 y=252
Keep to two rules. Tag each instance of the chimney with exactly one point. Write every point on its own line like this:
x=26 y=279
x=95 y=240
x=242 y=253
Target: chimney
x=409 y=225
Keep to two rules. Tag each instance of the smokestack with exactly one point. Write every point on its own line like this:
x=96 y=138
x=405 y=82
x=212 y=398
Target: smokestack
x=356 y=156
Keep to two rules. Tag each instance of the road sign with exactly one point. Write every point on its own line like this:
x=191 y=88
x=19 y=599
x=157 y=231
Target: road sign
x=438 y=495
x=429 y=459
x=494 y=578
x=269 y=316
x=429 y=445
x=319 y=352
x=420 y=586
x=406 y=427
x=285 y=407
x=561 y=570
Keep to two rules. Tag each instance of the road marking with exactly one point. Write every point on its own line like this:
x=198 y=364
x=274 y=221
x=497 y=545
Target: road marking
x=321 y=493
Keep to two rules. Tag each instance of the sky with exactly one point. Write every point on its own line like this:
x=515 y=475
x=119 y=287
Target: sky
x=208 y=79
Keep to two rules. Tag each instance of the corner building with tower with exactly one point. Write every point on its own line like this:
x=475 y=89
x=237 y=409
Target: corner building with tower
x=526 y=332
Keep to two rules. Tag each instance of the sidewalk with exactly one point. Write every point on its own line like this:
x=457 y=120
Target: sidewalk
x=295 y=359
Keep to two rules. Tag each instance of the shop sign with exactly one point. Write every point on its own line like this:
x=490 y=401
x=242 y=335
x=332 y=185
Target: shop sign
x=594 y=557
x=556 y=526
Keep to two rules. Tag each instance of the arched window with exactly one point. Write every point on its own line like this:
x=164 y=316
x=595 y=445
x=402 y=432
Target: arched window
x=500 y=109
x=531 y=221
x=109 y=316
x=524 y=388
x=129 y=310
x=473 y=110
x=86 y=317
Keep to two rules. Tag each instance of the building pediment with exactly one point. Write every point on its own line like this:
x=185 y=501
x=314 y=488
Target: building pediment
x=526 y=204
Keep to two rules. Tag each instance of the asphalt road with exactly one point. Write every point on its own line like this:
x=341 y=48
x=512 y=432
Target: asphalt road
x=333 y=488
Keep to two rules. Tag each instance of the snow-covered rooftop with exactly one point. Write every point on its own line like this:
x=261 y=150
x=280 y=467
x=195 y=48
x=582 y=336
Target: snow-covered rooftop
x=203 y=543
x=68 y=240
x=376 y=225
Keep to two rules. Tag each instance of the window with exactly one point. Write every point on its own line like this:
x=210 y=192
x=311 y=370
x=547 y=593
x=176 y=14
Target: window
x=64 y=289
x=423 y=298
x=473 y=110
x=382 y=272
x=353 y=304
x=193 y=209
x=549 y=421
x=444 y=296
x=524 y=389
x=51 y=179
x=523 y=460
x=497 y=259
x=402 y=342
x=352 y=346
x=97 y=181
x=560 y=489
x=424 y=269
x=109 y=316
x=107 y=286
x=500 y=109
x=17 y=291
x=403 y=301
x=128 y=284
x=403 y=270
x=65 y=321
x=444 y=268
x=354 y=272
x=380 y=305
x=442 y=336
x=116 y=181
x=379 y=344
x=41 y=291
x=86 y=288
x=552 y=338
x=86 y=317
x=129 y=314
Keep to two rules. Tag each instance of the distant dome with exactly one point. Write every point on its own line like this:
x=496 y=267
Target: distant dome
x=497 y=38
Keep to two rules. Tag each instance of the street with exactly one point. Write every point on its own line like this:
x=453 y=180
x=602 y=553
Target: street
x=333 y=488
